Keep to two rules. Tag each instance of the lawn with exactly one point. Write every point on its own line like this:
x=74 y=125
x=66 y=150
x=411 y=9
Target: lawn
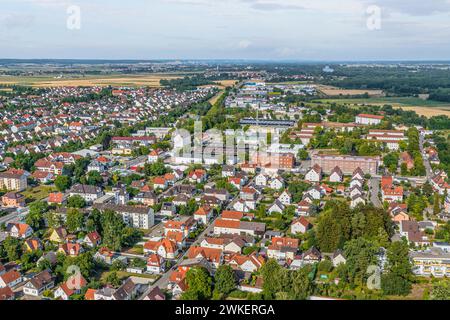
x=38 y=193
x=396 y=101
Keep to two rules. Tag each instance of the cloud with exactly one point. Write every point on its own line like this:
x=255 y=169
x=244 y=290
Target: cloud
x=244 y=44
x=17 y=21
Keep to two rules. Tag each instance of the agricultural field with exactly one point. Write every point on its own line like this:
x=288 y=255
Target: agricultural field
x=151 y=80
x=427 y=108
x=335 y=91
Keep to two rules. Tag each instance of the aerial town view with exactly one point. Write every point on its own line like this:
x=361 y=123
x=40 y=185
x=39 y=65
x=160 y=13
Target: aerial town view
x=235 y=176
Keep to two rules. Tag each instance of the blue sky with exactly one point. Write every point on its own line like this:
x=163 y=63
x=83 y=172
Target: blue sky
x=226 y=29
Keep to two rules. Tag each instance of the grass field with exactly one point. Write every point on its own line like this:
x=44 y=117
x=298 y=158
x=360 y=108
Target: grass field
x=151 y=80
x=427 y=108
x=38 y=193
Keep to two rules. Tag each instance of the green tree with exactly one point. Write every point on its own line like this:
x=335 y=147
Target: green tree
x=94 y=178
x=76 y=201
x=12 y=248
x=398 y=278
x=62 y=183
x=224 y=279
x=74 y=220
x=112 y=226
x=199 y=284
x=360 y=253
x=440 y=291
x=35 y=218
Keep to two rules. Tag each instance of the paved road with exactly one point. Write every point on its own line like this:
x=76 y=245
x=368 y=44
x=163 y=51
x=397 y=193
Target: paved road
x=14 y=216
x=374 y=189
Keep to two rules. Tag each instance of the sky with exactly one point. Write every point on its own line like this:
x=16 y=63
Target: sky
x=226 y=29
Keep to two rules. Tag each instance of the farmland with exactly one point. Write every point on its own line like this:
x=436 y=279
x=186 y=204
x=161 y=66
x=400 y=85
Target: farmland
x=151 y=80
x=427 y=108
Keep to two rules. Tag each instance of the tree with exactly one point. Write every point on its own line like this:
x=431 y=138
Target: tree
x=270 y=272
x=398 y=278
x=155 y=169
x=199 y=284
x=303 y=154
x=112 y=226
x=94 y=178
x=75 y=220
x=441 y=291
x=35 y=218
x=436 y=204
x=224 y=279
x=113 y=279
x=360 y=253
x=301 y=284
x=390 y=161
x=12 y=248
x=62 y=183
x=76 y=201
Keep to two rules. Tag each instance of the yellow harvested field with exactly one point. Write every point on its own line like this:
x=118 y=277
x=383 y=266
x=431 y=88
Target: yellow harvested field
x=227 y=83
x=151 y=80
x=427 y=111
x=334 y=91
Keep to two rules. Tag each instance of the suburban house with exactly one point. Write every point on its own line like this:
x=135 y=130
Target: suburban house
x=19 y=230
x=336 y=175
x=87 y=192
x=300 y=225
x=38 y=284
x=314 y=174
x=283 y=248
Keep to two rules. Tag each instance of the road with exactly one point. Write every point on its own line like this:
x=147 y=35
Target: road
x=374 y=189
x=14 y=216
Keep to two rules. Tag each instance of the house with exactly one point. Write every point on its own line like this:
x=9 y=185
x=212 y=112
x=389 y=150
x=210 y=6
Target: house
x=87 y=192
x=236 y=182
x=58 y=235
x=203 y=214
x=160 y=183
x=96 y=166
x=43 y=177
x=282 y=248
x=357 y=200
x=165 y=248
x=311 y=256
x=197 y=176
x=168 y=209
x=398 y=212
x=261 y=180
x=6 y=294
x=358 y=174
x=13 y=200
x=314 y=174
x=105 y=255
x=355 y=191
x=285 y=198
x=56 y=198
x=71 y=287
x=154 y=155
x=315 y=193
x=38 y=284
x=228 y=171
x=10 y=279
x=146 y=198
x=411 y=231
x=277 y=183
x=185 y=226
x=249 y=193
x=92 y=239
x=156 y=264
x=355 y=182
x=71 y=249
x=336 y=175
x=33 y=244
x=338 y=258
x=220 y=194
x=277 y=207
x=181 y=199
x=155 y=295
x=300 y=225
x=213 y=256
x=19 y=230
x=393 y=194
x=250 y=263
x=303 y=208
x=127 y=291
x=222 y=226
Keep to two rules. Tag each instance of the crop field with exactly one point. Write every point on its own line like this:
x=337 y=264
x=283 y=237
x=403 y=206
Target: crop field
x=335 y=91
x=151 y=80
x=427 y=108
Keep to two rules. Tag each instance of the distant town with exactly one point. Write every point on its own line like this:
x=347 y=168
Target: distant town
x=334 y=184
